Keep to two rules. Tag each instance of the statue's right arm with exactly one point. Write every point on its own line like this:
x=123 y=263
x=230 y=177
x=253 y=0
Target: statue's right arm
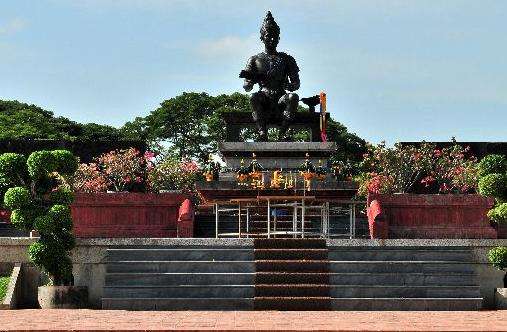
x=250 y=67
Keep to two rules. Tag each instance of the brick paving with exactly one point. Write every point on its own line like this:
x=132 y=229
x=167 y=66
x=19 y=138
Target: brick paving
x=86 y=320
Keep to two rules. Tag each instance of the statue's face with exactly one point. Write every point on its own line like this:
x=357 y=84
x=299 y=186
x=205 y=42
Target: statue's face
x=271 y=39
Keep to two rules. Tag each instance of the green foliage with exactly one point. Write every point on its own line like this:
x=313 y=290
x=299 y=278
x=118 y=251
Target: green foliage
x=492 y=164
x=17 y=198
x=24 y=218
x=493 y=185
x=61 y=214
x=41 y=163
x=62 y=195
x=4 y=283
x=191 y=126
x=499 y=213
x=45 y=224
x=43 y=204
x=498 y=257
x=53 y=258
x=24 y=121
x=13 y=168
x=66 y=162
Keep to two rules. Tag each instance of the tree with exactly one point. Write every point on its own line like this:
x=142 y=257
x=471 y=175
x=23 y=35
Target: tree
x=190 y=126
x=23 y=121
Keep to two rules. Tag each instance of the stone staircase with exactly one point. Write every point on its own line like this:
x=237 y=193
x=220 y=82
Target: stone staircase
x=291 y=274
x=179 y=278
x=402 y=278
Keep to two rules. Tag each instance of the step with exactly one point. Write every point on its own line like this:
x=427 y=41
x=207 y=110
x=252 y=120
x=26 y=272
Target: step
x=290 y=254
x=399 y=266
x=406 y=291
x=180 y=291
x=407 y=304
x=298 y=290
x=156 y=279
x=177 y=304
x=400 y=279
x=292 y=303
x=291 y=266
x=177 y=254
x=180 y=266
x=290 y=244
x=351 y=254
x=290 y=278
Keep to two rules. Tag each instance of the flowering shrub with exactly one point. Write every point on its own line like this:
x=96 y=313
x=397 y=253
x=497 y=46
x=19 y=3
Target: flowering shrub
x=89 y=179
x=122 y=168
x=119 y=170
x=129 y=170
x=402 y=169
x=453 y=170
x=173 y=174
x=395 y=170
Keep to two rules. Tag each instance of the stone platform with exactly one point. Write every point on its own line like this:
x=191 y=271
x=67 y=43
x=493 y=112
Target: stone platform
x=272 y=155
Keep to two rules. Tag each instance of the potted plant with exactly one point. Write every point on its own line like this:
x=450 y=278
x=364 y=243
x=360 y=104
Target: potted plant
x=420 y=191
x=498 y=258
x=40 y=200
x=493 y=183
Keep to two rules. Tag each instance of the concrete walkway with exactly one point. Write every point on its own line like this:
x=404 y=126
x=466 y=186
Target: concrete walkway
x=82 y=320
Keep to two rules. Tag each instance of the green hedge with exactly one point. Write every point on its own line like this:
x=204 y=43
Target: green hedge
x=4 y=282
x=498 y=257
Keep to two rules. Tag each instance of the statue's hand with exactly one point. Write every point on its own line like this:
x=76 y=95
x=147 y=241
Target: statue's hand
x=248 y=86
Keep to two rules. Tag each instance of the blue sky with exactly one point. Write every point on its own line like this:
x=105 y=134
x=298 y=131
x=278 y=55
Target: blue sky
x=397 y=70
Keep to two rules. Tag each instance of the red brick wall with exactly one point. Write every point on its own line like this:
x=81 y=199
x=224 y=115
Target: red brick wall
x=430 y=216
x=130 y=215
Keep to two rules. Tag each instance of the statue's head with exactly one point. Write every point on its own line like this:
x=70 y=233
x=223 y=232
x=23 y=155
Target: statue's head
x=270 y=32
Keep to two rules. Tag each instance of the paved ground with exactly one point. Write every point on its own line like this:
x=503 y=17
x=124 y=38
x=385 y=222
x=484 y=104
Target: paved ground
x=79 y=320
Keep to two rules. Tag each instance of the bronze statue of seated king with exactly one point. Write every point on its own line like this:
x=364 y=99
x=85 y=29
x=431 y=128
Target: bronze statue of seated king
x=277 y=76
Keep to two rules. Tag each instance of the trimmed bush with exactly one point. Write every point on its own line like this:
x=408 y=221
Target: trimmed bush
x=66 y=163
x=498 y=214
x=62 y=214
x=23 y=219
x=45 y=225
x=43 y=204
x=498 y=257
x=493 y=185
x=17 y=198
x=491 y=164
x=41 y=164
x=62 y=196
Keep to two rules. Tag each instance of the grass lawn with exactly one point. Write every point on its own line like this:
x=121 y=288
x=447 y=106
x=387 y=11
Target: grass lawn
x=4 y=281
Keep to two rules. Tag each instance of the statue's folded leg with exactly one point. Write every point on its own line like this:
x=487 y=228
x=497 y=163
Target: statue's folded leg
x=259 y=115
x=289 y=103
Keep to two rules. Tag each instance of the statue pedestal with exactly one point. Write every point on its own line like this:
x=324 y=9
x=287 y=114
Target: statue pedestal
x=273 y=155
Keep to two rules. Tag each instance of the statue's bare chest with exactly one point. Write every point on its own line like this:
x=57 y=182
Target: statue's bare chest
x=274 y=66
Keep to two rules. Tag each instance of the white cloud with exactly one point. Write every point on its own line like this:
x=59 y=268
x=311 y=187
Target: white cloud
x=12 y=26
x=229 y=46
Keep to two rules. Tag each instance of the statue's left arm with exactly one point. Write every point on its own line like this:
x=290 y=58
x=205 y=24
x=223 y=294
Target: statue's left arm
x=293 y=73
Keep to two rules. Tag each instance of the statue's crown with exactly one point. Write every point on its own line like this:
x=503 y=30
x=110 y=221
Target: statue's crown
x=269 y=24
